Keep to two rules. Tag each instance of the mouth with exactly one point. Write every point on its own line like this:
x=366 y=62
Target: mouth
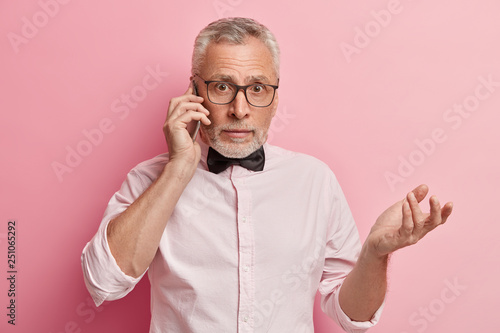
x=237 y=133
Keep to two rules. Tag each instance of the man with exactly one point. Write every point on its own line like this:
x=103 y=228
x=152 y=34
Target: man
x=231 y=249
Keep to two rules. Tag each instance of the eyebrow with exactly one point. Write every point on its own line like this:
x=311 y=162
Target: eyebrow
x=250 y=79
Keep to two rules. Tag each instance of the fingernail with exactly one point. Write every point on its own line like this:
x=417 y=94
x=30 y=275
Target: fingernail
x=411 y=196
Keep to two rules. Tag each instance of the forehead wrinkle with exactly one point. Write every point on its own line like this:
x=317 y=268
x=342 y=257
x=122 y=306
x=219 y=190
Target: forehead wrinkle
x=232 y=79
x=239 y=63
x=228 y=69
x=232 y=63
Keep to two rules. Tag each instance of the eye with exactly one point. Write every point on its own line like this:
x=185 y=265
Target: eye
x=222 y=87
x=258 y=88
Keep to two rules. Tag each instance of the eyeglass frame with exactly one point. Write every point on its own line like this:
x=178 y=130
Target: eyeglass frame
x=238 y=88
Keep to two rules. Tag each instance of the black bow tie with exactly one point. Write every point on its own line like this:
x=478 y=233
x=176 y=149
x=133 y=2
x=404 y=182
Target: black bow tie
x=218 y=163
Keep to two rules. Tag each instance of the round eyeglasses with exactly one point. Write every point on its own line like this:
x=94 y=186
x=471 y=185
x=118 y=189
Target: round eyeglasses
x=257 y=94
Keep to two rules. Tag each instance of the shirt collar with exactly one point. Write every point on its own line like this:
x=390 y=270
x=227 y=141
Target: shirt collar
x=204 y=153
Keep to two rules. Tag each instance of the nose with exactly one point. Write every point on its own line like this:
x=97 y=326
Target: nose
x=239 y=107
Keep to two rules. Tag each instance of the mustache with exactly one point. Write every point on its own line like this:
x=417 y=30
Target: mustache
x=236 y=125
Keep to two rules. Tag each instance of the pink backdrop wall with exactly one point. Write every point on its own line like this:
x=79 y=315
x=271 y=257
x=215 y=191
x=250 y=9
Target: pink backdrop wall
x=390 y=93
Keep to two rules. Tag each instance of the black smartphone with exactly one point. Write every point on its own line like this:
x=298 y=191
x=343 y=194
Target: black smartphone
x=196 y=126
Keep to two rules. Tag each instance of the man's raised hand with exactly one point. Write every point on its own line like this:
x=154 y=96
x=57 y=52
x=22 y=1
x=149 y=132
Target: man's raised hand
x=182 y=111
x=405 y=224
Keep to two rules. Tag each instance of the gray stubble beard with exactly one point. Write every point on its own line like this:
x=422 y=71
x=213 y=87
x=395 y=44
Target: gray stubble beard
x=236 y=148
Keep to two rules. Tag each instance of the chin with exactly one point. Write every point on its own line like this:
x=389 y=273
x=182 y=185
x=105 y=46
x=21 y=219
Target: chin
x=236 y=149
x=233 y=147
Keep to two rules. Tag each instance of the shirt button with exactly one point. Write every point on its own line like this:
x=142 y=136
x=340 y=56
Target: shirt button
x=243 y=219
x=245 y=319
x=246 y=268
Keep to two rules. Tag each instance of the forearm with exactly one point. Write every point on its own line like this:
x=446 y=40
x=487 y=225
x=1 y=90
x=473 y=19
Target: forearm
x=364 y=289
x=134 y=235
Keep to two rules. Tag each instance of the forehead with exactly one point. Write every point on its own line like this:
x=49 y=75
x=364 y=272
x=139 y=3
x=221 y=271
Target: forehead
x=240 y=62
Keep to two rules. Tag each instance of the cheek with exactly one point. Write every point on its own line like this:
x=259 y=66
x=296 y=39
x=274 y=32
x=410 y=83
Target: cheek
x=267 y=119
x=216 y=114
x=270 y=113
x=267 y=122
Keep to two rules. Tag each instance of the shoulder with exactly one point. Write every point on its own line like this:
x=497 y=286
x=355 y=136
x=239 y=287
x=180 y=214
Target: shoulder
x=277 y=157
x=137 y=181
x=149 y=170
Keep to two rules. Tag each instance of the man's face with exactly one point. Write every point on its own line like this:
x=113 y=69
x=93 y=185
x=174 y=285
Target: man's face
x=238 y=128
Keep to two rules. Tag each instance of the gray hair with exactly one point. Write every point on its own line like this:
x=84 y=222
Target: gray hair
x=234 y=31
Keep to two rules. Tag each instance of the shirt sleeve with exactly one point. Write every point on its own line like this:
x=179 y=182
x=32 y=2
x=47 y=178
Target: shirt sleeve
x=103 y=277
x=341 y=253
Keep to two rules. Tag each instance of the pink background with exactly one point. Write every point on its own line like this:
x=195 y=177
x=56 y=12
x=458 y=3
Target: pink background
x=367 y=112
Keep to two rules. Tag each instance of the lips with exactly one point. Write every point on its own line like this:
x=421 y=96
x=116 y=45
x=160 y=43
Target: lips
x=237 y=133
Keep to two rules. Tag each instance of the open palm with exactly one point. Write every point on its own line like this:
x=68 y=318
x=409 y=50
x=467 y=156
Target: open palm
x=405 y=224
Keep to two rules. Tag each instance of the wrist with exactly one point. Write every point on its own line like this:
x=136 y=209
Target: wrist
x=180 y=170
x=370 y=254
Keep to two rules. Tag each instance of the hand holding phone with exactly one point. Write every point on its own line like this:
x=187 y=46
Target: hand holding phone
x=181 y=124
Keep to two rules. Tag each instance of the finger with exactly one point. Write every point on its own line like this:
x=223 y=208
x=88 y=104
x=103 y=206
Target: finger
x=201 y=117
x=181 y=123
x=416 y=212
x=435 y=207
x=446 y=211
x=174 y=102
x=407 y=226
x=193 y=106
x=188 y=96
x=191 y=116
x=420 y=192
x=186 y=106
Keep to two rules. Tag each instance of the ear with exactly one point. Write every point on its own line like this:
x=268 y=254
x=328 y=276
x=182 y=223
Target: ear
x=276 y=99
x=275 y=104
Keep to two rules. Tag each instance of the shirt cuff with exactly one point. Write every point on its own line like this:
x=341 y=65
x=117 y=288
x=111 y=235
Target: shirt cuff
x=103 y=277
x=352 y=326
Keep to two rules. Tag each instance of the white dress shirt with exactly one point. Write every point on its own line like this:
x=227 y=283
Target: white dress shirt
x=243 y=251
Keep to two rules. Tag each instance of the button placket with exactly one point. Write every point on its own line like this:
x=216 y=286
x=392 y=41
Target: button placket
x=246 y=256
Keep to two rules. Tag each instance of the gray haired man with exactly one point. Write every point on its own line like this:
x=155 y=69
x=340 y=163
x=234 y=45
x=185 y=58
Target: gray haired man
x=238 y=235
